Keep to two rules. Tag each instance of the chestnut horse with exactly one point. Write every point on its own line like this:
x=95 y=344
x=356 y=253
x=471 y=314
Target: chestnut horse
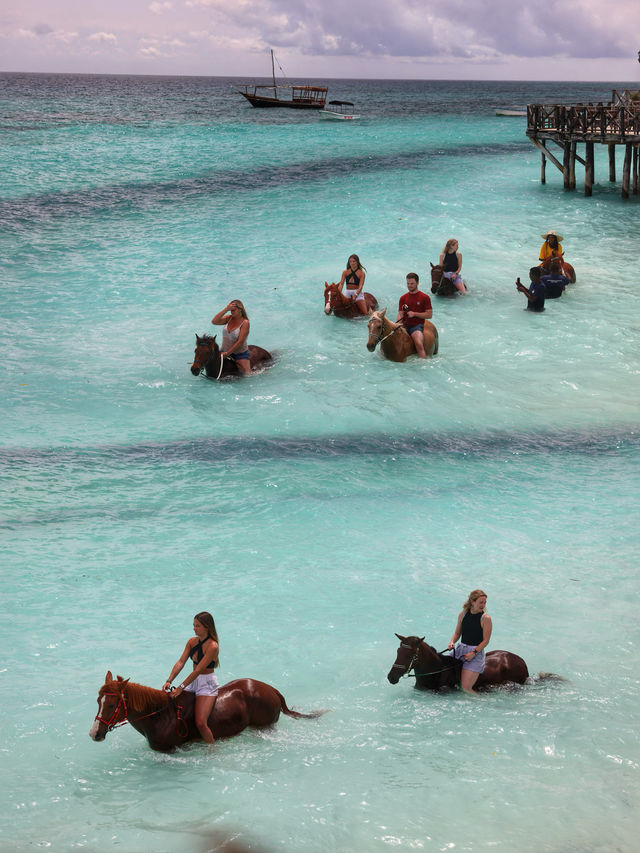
x=207 y=358
x=434 y=670
x=342 y=306
x=167 y=723
x=395 y=342
x=440 y=285
x=566 y=268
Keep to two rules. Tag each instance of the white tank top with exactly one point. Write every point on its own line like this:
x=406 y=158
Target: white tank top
x=229 y=337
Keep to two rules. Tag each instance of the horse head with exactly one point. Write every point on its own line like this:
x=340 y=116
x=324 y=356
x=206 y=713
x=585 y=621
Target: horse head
x=112 y=707
x=407 y=655
x=376 y=329
x=331 y=294
x=206 y=347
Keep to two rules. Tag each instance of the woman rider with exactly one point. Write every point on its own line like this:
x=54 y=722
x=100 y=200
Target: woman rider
x=235 y=333
x=353 y=281
x=552 y=247
x=203 y=649
x=474 y=627
x=451 y=263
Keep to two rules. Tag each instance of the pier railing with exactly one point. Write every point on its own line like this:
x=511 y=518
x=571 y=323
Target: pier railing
x=615 y=122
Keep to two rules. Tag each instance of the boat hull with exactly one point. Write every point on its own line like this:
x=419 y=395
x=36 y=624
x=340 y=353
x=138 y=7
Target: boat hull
x=262 y=101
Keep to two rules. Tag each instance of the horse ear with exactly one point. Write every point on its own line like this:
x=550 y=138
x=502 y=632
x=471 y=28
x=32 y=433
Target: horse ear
x=108 y=676
x=401 y=638
x=420 y=638
x=382 y=313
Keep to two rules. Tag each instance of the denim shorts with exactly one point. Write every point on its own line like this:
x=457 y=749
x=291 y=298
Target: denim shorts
x=476 y=664
x=204 y=685
x=237 y=355
x=419 y=327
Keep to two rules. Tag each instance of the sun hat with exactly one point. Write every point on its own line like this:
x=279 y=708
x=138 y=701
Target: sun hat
x=559 y=237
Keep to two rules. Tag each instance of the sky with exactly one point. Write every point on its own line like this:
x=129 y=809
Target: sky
x=379 y=39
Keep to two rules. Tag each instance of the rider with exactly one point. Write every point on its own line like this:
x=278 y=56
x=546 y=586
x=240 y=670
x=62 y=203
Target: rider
x=474 y=629
x=413 y=309
x=204 y=651
x=353 y=280
x=552 y=246
x=451 y=263
x=235 y=333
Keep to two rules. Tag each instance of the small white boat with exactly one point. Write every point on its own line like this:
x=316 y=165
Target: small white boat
x=511 y=111
x=341 y=110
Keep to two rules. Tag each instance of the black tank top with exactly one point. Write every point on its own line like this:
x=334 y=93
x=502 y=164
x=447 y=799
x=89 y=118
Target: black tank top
x=352 y=281
x=471 y=629
x=450 y=262
x=197 y=654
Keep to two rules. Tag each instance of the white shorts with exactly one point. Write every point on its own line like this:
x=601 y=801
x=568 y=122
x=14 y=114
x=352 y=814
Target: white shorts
x=349 y=292
x=204 y=685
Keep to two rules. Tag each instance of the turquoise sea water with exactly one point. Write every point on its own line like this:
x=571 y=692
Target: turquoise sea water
x=329 y=502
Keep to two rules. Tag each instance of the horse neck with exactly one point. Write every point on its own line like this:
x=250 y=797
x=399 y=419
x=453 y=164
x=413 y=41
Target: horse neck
x=143 y=700
x=427 y=655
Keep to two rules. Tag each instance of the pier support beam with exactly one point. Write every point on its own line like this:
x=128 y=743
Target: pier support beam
x=543 y=164
x=566 y=170
x=588 y=169
x=612 y=161
x=626 y=170
x=636 y=179
x=572 y=166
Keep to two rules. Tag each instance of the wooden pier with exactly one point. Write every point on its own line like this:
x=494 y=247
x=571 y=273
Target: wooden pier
x=612 y=124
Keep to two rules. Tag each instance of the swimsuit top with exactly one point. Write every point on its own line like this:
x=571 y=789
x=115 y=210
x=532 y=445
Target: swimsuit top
x=229 y=337
x=471 y=628
x=450 y=262
x=352 y=281
x=197 y=654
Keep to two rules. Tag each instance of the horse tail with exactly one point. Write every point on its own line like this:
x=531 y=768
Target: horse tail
x=549 y=676
x=436 y=341
x=297 y=714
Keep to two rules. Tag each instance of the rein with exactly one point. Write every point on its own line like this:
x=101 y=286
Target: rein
x=416 y=653
x=111 y=725
x=380 y=338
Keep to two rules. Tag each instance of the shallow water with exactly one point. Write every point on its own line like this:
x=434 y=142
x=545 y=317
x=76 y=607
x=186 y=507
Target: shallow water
x=336 y=498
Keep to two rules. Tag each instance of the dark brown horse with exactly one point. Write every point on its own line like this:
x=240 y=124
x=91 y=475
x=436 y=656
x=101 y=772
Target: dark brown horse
x=566 y=268
x=440 y=285
x=395 y=342
x=207 y=358
x=335 y=301
x=434 y=670
x=167 y=723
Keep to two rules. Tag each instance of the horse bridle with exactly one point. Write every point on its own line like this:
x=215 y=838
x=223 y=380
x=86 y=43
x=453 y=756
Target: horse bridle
x=201 y=367
x=413 y=661
x=379 y=341
x=112 y=723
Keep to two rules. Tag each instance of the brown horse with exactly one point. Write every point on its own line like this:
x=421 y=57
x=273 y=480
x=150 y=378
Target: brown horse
x=566 y=268
x=342 y=306
x=434 y=670
x=167 y=723
x=207 y=358
x=395 y=342
x=440 y=285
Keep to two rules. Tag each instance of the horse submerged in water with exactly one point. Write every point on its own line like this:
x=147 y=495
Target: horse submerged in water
x=396 y=343
x=434 y=670
x=440 y=285
x=337 y=303
x=167 y=723
x=207 y=358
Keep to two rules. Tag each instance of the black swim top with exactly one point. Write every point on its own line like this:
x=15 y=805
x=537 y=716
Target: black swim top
x=450 y=262
x=352 y=281
x=197 y=654
x=471 y=629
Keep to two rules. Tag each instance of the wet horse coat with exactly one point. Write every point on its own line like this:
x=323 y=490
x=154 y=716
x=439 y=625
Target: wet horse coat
x=342 y=306
x=207 y=357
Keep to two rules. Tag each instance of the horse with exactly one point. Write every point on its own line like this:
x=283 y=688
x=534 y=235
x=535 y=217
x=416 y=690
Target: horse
x=342 y=306
x=434 y=670
x=395 y=342
x=167 y=722
x=440 y=285
x=207 y=358
x=566 y=268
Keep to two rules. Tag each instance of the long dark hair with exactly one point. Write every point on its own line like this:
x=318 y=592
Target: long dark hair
x=360 y=267
x=206 y=619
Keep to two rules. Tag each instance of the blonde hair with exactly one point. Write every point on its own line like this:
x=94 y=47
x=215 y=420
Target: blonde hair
x=449 y=245
x=473 y=596
x=241 y=307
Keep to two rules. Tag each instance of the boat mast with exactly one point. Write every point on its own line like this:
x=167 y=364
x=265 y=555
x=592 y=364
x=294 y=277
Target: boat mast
x=273 y=73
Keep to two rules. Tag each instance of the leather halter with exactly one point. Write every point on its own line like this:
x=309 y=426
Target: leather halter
x=379 y=341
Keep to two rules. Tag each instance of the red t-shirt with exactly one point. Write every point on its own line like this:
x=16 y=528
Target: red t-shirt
x=416 y=301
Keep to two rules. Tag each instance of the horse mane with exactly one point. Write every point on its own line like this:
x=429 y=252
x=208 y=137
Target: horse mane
x=208 y=339
x=140 y=697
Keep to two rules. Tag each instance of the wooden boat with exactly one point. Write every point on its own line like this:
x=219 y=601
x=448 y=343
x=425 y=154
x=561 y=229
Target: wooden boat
x=341 y=110
x=294 y=97
x=511 y=111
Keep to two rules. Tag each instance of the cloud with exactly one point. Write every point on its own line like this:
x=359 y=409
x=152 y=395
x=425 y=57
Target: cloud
x=104 y=39
x=160 y=8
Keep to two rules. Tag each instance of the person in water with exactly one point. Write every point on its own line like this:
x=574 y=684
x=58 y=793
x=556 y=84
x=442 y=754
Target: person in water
x=451 y=263
x=353 y=282
x=554 y=281
x=413 y=309
x=473 y=629
x=552 y=246
x=535 y=293
x=235 y=333
x=203 y=650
